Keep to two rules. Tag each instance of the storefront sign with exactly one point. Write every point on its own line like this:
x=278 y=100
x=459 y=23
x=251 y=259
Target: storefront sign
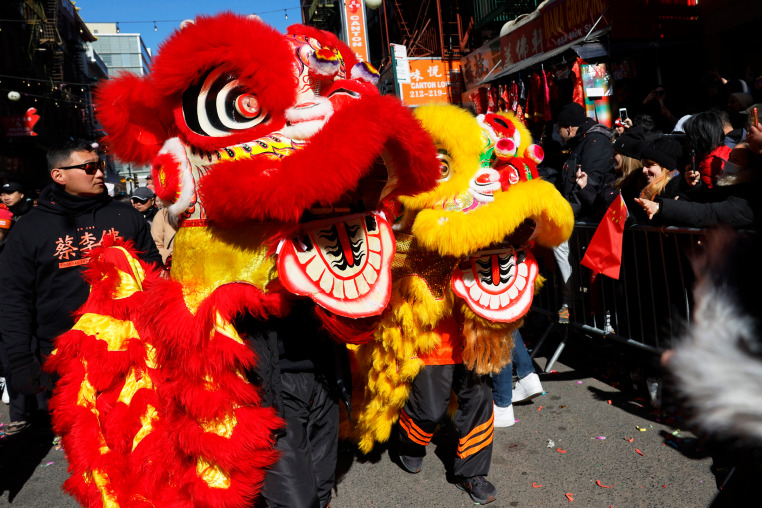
x=477 y=64
x=18 y=125
x=524 y=42
x=429 y=82
x=357 y=35
x=568 y=20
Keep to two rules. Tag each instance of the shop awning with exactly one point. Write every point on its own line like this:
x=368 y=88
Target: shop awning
x=536 y=59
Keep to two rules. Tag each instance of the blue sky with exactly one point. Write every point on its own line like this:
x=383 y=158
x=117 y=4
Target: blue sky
x=169 y=13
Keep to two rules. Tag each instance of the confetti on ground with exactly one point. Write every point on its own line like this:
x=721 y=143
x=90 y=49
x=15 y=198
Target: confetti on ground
x=551 y=444
x=641 y=429
x=559 y=450
x=536 y=485
x=598 y=482
x=639 y=452
x=570 y=496
x=601 y=437
x=664 y=486
x=47 y=464
x=539 y=408
x=609 y=401
x=676 y=433
x=579 y=382
x=672 y=443
x=630 y=439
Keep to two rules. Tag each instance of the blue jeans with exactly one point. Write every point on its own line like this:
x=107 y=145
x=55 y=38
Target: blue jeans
x=502 y=383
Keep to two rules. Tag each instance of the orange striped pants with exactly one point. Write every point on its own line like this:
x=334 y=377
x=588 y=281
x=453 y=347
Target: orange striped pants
x=427 y=406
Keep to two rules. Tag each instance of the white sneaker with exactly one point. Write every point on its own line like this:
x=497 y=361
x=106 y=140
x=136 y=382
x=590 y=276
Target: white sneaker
x=504 y=416
x=4 y=388
x=527 y=388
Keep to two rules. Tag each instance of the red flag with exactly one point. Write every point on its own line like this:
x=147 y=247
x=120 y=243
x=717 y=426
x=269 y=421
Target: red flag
x=604 y=254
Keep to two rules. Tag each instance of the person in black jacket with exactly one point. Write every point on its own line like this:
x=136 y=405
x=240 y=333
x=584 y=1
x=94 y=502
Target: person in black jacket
x=12 y=195
x=591 y=153
x=733 y=201
x=41 y=265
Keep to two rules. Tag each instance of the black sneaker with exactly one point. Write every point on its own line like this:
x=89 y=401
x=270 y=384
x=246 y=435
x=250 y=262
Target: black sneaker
x=480 y=490
x=411 y=464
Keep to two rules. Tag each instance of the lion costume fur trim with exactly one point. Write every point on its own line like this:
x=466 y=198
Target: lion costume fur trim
x=387 y=366
x=152 y=403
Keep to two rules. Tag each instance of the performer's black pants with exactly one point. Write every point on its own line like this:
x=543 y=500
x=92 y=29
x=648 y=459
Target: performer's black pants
x=304 y=474
x=427 y=405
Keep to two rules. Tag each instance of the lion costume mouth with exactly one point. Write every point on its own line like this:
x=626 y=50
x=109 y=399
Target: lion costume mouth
x=497 y=285
x=344 y=265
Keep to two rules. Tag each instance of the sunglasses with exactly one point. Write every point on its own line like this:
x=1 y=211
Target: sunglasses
x=139 y=200
x=90 y=167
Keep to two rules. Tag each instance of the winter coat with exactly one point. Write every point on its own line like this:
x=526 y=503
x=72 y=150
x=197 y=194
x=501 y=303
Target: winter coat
x=163 y=234
x=591 y=149
x=21 y=208
x=736 y=205
x=712 y=164
x=41 y=269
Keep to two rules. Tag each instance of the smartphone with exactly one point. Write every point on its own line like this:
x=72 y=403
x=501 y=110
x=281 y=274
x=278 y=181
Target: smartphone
x=623 y=114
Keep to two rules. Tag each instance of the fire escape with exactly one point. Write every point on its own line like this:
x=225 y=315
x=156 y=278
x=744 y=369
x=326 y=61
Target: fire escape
x=51 y=41
x=432 y=28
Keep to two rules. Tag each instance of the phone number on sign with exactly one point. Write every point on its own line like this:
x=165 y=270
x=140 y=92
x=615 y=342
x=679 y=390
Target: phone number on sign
x=430 y=93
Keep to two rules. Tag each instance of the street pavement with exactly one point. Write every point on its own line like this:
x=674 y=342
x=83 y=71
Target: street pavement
x=597 y=432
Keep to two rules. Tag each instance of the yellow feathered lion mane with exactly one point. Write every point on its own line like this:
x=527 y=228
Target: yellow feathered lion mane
x=438 y=230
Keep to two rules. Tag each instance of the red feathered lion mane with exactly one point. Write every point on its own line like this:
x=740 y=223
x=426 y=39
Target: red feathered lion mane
x=141 y=113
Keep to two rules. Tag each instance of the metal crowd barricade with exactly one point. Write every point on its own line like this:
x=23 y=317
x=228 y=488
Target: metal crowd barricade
x=649 y=304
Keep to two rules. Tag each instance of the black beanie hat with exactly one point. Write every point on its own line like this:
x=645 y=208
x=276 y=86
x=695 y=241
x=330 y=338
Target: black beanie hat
x=664 y=151
x=571 y=115
x=632 y=142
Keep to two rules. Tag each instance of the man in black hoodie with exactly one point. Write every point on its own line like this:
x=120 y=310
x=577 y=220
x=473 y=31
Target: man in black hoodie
x=45 y=254
x=590 y=152
x=12 y=196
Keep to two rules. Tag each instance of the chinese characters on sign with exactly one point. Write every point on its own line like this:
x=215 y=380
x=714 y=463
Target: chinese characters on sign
x=480 y=62
x=429 y=82
x=357 y=37
x=16 y=126
x=70 y=251
x=522 y=43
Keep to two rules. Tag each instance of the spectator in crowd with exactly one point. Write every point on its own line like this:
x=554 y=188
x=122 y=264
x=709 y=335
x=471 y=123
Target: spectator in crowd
x=144 y=201
x=660 y=159
x=627 y=172
x=163 y=230
x=646 y=122
x=706 y=138
x=737 y=103
x=734 y=201
x=45 y=254
x=655 y=106
x=527 y=387
x=12 y=195
x=6 y=221
x=590 y=152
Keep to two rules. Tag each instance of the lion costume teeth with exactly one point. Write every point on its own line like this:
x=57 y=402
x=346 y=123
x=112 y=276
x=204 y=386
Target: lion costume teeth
x=249 y=133
x=463 y=251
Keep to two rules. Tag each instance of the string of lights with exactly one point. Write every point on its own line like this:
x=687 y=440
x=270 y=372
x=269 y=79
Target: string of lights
x=54 y=84
x=154 y=21
x=77 y=103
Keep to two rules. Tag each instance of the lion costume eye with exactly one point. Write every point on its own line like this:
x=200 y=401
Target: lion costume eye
x=444 y=165
x=220 y=105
